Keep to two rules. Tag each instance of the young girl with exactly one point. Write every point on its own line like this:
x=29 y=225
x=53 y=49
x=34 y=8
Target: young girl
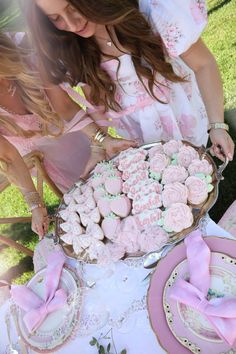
x=28 y=122
x=142 y=60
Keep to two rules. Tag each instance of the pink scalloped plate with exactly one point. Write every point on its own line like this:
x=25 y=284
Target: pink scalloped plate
x=179 y=328
x=59 y=326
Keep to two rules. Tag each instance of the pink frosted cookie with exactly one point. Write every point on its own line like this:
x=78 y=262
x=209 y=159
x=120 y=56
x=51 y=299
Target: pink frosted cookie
x=197 y=190
x=133 y=190
x=141 y=165
x=177 y=218
x=116 y=251
x=152 y=238
x=174 y=174
x=72 y=206
x=152 y=186
x=121 y=205
x=67 y=215
x=186 y=155
x=73 y=227
x=77 y=192
x=104 y=205
x=94 y=230
x=174 y=193
x=111 y=226
x=131 y=157
x=148 y=217
x=159 y=163
x=113 y=184
x=147 y=202
x=96 y=180
x=134 y=179
x=68 y=197
x=129 y=235
x=172 y=147
x=104 y=166
x=93 y=216
x=158 y=149
x=111 y=173
x=200 y=166
x=99 y=252
x=86 y=190
x=99 y=192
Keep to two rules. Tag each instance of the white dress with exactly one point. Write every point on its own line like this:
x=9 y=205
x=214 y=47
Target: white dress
x=180 y=23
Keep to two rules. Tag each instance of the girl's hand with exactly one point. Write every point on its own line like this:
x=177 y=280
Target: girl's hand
x=40 y=221
x=109 y=148
x=113 y=146
x=222 y=144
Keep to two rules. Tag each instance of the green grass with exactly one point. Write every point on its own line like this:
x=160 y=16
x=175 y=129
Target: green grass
x=220 y=37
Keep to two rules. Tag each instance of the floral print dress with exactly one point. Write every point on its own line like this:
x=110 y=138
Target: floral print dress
x=183 y=115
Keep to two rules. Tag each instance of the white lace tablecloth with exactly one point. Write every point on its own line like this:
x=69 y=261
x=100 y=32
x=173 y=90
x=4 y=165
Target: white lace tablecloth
x=115 y=298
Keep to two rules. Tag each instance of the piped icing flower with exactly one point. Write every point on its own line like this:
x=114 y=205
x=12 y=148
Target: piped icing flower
x=186 y=155
x=174 y=174
x=177 y=218
x=172 y=147
x=197 y=190
x=158 y=149
x=174 y=193
x=159 y=163
x=200 y=166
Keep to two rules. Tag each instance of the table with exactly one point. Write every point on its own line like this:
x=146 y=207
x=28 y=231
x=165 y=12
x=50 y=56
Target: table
x=115 y=298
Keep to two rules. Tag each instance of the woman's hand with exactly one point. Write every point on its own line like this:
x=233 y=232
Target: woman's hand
x=97 y=154
x=40 y=221
x=222 y=144
x=107 y=150
x=113 y=146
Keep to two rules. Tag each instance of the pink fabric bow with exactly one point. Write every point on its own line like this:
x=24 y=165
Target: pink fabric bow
x=220 y=312
x=38 y=309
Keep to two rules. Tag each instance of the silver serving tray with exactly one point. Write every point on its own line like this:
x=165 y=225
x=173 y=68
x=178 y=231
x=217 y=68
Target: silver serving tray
x=199 y=211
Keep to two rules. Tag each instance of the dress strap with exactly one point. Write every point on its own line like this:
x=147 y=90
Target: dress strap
x=77 y=123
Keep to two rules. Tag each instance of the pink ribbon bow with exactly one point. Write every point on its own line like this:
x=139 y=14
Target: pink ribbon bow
x=220 y=312
x=38 y=309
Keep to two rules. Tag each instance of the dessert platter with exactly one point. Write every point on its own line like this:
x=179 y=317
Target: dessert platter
x=137 y=202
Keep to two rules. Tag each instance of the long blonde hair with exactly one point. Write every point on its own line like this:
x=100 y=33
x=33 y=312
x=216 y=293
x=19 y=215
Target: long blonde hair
x=14 y=65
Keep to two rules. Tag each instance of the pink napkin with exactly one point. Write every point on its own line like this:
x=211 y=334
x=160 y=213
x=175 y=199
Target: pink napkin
x=220 y=312
x=36 y=308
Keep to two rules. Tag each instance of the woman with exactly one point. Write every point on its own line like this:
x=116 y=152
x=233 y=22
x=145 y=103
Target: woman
x=28 y=121
x=142 y=60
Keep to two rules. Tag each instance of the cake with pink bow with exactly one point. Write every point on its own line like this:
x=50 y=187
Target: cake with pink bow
x=134 y=203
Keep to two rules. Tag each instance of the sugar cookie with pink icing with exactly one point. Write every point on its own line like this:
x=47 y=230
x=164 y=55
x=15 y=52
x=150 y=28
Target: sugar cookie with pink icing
x=134 y=179
x=148 y=217
x=141 y=165
x=147 y=202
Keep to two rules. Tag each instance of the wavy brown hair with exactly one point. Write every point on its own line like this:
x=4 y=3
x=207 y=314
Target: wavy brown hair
x=14 y=66
x=68 y=57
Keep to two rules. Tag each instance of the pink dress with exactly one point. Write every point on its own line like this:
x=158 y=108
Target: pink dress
x=65 y=157
x=180 y=23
